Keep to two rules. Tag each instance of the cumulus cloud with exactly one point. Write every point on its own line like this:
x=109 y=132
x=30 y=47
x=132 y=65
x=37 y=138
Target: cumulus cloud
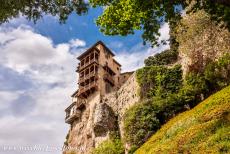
x=77 y=43
x=36 y=80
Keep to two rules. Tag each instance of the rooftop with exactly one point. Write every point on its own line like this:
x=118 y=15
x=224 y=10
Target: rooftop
x=93 y=47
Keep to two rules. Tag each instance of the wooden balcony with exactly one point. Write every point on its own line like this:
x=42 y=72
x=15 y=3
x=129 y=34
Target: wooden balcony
x=86 y=64
x=70 y=118
x=109 y=78
x=88 y=76
x=85 y=91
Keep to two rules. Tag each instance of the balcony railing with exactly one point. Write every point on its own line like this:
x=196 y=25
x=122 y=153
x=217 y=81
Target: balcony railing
x=70 y=118
x=109 y=78
x=87 y=87
x=88 y=76
x=80 y=67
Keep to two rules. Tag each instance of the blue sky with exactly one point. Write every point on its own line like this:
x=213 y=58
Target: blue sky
x=81 y=27
x=37 y=73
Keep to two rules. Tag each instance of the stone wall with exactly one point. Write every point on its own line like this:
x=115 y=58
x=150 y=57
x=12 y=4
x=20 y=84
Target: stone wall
x=123 y=99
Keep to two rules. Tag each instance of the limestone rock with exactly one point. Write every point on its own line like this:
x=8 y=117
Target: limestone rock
x=104 y=120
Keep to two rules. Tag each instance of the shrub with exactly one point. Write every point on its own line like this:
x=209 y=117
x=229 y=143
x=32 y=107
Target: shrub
x=110 y=146
x=164 y=58
x=159 y=80
x=204 y=129
x=140 y=122
x=217 y=73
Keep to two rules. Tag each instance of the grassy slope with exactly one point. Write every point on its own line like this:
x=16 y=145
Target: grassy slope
x=204 y=129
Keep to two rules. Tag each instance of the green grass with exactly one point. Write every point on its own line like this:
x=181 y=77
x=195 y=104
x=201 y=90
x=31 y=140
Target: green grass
x=204 y=129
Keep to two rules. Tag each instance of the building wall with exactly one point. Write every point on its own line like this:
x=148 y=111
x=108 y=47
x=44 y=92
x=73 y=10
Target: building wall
x=106 y=57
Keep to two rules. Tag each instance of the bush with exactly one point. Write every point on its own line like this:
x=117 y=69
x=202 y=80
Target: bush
x=159 y=80
x=110 y=146
x=217 y=73
x=164 y=58
x=140 y=122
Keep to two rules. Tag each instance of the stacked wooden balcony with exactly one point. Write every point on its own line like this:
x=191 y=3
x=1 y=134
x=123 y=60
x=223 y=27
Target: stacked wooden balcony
x=88 y=76
x=86 y=90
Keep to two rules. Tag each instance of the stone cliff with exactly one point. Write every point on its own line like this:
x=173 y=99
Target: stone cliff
x=100 y=116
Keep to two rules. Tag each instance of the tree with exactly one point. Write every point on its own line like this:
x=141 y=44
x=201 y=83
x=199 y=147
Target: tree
x=35 y=9
x=120 y=17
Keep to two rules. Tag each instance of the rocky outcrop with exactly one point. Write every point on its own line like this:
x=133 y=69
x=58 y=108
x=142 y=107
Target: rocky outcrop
x=102 y=115
x=104 y=120
x=201 y=41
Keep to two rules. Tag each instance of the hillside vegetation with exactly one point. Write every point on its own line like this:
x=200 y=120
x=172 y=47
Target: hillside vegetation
x=204 y=129
x=196 y=66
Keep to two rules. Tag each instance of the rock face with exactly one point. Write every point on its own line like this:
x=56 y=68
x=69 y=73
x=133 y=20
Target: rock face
x=100 y=116
x=201 y=41
x=104 y=120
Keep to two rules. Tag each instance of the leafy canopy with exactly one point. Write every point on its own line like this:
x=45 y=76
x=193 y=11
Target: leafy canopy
x=35 y=9
x=120 y=17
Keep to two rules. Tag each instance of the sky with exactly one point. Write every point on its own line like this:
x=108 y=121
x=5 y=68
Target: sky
x=37 y=74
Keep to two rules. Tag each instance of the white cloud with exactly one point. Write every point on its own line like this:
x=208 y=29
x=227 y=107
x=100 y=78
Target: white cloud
x=135 y=60
x=131 y=61
x=77 y=43
x=52 y=70
x=116 y=44
x=164 y=31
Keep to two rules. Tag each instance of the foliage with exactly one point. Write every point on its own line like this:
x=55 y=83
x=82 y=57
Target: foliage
x=164 y=95
x=122 y=17
x=158 y=84
x=204 y=129
x=35 y=9
x=219 y=10
x=159 y=80
x=164 y=58
x=140 y=123
x=217 y=73
x=110 y=146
